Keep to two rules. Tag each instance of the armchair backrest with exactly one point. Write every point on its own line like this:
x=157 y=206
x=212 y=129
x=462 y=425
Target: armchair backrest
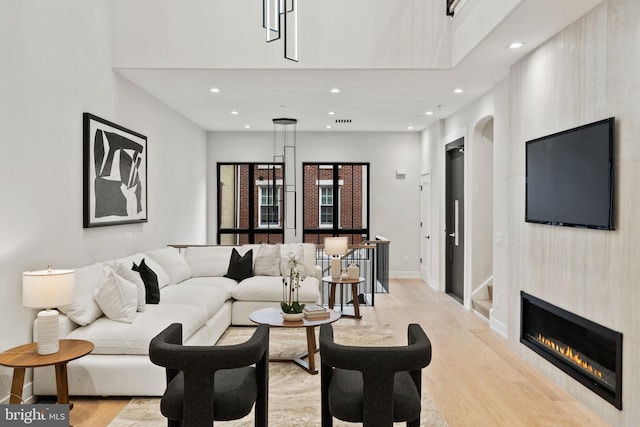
x=378 y=366
x=200 y=363
x=166 y=350
x=377 y=360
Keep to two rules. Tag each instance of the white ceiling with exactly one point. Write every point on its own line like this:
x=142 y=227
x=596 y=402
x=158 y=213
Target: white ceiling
x=373 y=99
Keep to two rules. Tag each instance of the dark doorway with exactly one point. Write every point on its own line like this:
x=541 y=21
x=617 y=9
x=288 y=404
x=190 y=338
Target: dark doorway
x=455 y=219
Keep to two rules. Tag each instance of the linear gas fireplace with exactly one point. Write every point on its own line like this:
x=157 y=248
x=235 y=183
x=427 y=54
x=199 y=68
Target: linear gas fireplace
x=588 y=352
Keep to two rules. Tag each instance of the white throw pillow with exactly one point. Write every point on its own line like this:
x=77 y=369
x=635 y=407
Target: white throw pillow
x=84 y=310
x=309 y=250
x=173 y=263
x=267 y=261
x=117 y=298
x=134 y=277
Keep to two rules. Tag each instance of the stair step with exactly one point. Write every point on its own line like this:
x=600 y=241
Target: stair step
x=482 y=306
x=490 y=291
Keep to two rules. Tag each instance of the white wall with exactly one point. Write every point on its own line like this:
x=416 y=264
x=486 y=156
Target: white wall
x=480 y=155
x=209 y=34
x=501 y=216
x=57 y=65
x=474 y=21
x=394 y=202
x=469 y=123
x=432 y=154
x=587 y=72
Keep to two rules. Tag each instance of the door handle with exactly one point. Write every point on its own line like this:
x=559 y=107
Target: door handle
x=452 y=235
x=456 y=213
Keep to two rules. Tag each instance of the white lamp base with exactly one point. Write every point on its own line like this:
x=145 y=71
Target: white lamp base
x=48 y=332
x=336 y=263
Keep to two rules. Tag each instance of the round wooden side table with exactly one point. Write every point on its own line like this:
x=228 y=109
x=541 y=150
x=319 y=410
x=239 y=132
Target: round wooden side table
x=354 y=291
x=26 y=356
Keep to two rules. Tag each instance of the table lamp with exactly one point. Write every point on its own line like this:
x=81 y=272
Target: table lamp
x=48 y=289
x=336 y=247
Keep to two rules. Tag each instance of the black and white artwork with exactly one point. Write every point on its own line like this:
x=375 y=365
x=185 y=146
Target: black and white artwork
x=115 y=174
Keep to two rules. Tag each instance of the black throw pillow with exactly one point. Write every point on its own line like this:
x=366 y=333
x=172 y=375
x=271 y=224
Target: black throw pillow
x=150 y=279
x=240 y=267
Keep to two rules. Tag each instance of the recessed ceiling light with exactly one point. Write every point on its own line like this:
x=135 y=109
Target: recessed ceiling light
x=458 y=90
x=331 y=113
x=515 y=45
x=328 y=126
x=335 y=90
x=247 y=126
x=429 y=113
x=234 y=112
x=410 y=128
x=214 y=90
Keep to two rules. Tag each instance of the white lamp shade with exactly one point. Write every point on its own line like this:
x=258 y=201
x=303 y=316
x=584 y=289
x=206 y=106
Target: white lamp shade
x=48 y=288
x=336 y=245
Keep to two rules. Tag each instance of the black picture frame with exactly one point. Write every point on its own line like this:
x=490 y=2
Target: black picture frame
x=114 y=174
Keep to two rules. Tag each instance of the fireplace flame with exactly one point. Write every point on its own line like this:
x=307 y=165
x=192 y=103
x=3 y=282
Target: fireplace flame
x=569 y=354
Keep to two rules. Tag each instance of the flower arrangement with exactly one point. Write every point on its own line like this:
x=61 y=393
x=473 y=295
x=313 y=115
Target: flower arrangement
x=291 y=286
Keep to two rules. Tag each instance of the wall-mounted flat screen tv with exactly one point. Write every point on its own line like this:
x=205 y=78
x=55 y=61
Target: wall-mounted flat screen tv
x=569 y=177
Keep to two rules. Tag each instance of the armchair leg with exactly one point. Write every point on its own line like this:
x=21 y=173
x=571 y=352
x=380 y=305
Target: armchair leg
x=174 y=423
x=326 y=417
x=327 y=420
x=326 y=372
x=414 y=423
x=260 y=416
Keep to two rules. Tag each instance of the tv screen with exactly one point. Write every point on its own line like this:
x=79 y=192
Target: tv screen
x=569 y=177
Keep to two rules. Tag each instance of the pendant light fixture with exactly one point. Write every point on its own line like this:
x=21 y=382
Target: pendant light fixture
x=282 y=16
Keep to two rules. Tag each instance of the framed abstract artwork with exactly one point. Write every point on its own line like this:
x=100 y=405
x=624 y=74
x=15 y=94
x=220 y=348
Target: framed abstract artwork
x=115 y=174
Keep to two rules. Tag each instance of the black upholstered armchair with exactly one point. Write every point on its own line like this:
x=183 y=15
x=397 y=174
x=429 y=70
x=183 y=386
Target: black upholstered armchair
x=376 y=386
x=207 y=383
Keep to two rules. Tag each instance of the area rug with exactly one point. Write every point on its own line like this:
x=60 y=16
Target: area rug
x=294 y=395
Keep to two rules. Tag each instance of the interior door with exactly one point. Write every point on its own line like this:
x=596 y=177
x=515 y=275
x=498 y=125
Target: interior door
x=455 y=220
x=425 y=228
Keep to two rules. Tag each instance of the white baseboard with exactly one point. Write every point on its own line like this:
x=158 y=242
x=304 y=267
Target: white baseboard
x=404 y=275
x=435 y=285
x=499 y=327
x=27 y=390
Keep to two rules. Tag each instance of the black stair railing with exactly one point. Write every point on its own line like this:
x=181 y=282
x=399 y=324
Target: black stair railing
x=451 y=4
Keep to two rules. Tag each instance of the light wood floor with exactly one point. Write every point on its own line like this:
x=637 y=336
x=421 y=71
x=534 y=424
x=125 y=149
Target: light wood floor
x=474 y=378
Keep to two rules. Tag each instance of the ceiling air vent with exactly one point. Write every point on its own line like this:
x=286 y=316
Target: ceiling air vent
x=341 y=121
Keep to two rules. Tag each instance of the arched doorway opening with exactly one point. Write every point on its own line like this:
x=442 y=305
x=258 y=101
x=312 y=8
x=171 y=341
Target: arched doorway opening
x=480 y=260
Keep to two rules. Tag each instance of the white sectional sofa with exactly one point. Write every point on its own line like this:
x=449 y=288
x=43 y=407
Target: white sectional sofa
x=193 y=291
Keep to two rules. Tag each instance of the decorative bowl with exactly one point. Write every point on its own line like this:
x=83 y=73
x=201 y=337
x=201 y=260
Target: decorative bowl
x=292 y=317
